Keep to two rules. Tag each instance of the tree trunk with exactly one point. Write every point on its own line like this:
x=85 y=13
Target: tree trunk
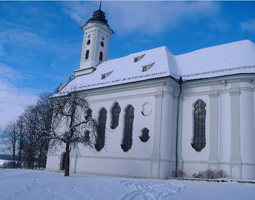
x=67 y=159
x=14 y=156
x=20 y=151
x=40 y=157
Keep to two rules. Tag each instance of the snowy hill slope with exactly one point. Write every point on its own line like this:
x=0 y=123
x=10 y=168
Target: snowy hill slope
x=35 y=184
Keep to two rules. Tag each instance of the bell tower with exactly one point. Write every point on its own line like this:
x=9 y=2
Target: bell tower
x=95 y=42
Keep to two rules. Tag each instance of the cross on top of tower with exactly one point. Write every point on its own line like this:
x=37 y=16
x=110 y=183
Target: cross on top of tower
x=100 y=5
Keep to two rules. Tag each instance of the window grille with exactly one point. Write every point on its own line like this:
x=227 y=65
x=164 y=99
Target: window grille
x=136 y=59
x=128 y=129
x=147 y=67
x=199 y=140
x=115 y=115
x=103 y=76
x=100 y=139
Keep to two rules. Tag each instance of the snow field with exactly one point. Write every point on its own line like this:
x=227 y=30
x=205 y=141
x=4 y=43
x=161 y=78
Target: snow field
x=38 y=184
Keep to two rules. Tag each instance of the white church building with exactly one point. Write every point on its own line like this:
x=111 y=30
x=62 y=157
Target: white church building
x=155 y=109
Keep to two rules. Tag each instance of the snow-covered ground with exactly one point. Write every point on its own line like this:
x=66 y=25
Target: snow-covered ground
x=37 y=184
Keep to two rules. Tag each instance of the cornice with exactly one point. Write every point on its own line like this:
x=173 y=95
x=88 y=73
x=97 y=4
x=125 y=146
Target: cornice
x=219 y=80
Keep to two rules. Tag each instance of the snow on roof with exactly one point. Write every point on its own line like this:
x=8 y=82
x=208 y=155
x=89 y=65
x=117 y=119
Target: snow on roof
x=231 y=58
x=123 y=70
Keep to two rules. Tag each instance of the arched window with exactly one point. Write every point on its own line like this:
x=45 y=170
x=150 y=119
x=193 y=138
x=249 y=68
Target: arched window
x=88 y=114
x=115 y=115
x=102 y=44
x=87 y=54
x=63 y=161
x=101 y=56
x=87 y=136
x=100 y=139
x=128 y=129
x=199 y=140
x=88 y=42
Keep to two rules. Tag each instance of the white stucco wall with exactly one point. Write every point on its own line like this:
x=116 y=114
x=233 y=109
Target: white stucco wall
x=144 y=159
x=232 y=128
x=235 y=125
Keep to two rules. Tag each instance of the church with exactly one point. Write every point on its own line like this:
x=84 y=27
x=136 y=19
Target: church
x=158 y=111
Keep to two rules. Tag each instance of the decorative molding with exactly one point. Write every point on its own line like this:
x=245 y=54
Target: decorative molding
x=214 y=95
x=159 y=94
x=146 y=109
x=215 y=71
x=234 y=92
x=218 y=80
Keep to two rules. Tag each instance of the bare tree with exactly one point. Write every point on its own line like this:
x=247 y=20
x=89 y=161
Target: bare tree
x=32 y=123
x=10 y=138
x=45 y=109
x=70 y=125
x=20 y=130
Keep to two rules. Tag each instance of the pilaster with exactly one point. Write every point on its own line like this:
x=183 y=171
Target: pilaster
x=155 y=157
x=235 y=159
x=235 y=123
x=213 y=154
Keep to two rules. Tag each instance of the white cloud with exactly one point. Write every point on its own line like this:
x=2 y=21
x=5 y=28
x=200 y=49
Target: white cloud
x=146 y=17
x=12 y=99
x=248 y=26
x=79 y=11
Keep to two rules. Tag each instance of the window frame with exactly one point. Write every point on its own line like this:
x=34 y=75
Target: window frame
x=199 y=129
x=127 y=139
x=87 y=55
x=115 y=113
x=100 y=136
x=101 y=56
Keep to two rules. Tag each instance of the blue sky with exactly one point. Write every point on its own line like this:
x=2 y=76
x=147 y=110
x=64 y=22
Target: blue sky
x=40 y=42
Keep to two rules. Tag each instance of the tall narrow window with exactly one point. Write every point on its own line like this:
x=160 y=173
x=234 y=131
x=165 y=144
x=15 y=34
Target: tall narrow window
x=88 y=42
x=87 y=54
x=128 y=129
x=115 y=115
x=199 y=140
x=100 y=139
x=101 y=56
x=63 y=159
x=87 y=137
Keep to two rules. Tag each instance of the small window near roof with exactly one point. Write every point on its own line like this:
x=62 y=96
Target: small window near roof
x=103 y=76
x=136 y=59
x=147 y=67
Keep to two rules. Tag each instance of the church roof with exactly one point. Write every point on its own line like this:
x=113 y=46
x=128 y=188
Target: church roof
x=232 y=58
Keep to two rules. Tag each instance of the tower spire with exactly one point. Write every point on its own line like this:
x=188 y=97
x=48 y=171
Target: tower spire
x=100 y=5
x=95 y=42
